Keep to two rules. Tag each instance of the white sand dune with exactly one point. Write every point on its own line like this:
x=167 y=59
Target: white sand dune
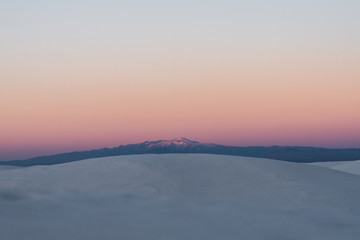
x=352 y=167
x=179 y=196
x=5 y=167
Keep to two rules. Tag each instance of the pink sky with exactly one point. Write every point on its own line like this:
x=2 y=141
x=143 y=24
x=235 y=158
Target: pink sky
x=235 y=107
x=261 y=76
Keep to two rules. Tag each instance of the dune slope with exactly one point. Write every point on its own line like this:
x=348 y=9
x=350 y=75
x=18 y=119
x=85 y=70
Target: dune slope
x=352 y=167
x=179 y=196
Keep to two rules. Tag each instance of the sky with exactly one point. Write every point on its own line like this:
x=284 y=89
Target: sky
x=78 y=74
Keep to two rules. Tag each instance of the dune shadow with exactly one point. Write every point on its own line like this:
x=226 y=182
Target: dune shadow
x=12 y=196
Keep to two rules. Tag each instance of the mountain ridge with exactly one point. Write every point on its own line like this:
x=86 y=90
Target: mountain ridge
x=185 y=145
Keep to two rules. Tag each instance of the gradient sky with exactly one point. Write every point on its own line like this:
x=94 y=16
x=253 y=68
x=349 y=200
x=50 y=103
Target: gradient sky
x=87 y=74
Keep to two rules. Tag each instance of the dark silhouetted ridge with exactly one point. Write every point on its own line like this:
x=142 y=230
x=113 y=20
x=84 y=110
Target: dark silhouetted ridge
x=184 y=145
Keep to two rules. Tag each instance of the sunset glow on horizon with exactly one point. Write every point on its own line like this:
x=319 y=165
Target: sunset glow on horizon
x=78 y=75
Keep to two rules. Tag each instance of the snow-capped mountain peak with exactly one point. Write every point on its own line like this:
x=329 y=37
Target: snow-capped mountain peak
x=180 y=142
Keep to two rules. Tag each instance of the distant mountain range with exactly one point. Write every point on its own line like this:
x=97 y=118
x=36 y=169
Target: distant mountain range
x=184 y=145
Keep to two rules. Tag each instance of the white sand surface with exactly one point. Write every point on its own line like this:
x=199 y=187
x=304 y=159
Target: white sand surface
x=352 y=167
x=6 y=167
x=179 y=196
